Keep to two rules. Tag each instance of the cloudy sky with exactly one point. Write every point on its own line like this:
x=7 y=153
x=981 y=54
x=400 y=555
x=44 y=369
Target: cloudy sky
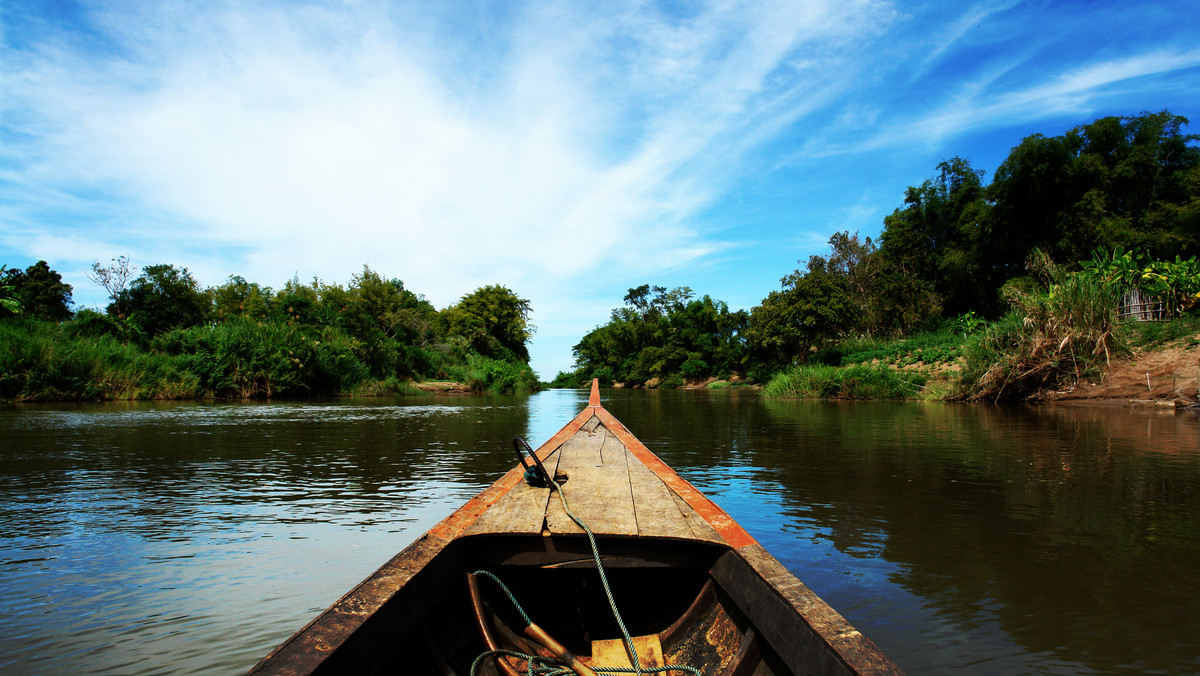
x=568 y=150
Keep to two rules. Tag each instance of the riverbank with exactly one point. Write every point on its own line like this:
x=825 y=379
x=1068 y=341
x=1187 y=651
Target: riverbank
x=1158 y=364
x=1167 y=374
x=235 y=360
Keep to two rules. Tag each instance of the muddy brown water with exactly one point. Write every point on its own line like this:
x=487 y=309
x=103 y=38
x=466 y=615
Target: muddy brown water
x=191 y=538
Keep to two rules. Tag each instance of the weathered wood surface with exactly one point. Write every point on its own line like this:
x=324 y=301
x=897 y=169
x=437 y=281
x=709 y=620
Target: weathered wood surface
x=597 y=487
x=607 y=486
x=809 y=635
x=521 y=510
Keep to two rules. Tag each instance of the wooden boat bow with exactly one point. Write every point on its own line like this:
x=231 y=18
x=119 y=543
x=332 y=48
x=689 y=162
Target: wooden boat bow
x=697 y=588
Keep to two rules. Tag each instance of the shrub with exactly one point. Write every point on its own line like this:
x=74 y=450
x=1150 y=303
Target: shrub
x=852 y=382
x=1050 y=338
x=43 y=361
x=484 y=374
x=244 y=358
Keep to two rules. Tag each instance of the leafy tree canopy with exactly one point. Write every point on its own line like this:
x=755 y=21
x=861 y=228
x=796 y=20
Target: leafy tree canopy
x=663 y=335
x=37 y=291
x=164 y=297
x=239 y=298
x=494 y=319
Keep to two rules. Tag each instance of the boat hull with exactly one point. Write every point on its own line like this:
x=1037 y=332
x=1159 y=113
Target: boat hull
x=692 y=586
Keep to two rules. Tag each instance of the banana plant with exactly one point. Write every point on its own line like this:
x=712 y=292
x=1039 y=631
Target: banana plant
x=8 y=293
x=1118 y=267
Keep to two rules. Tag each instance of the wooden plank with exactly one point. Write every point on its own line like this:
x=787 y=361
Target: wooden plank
x=614 y=654
x=462 y=518
x=654 y=506
x=521 y=510
x=701 y=529
x=730 y=531
x=597 y=491
x=591 y=425
x=612 y=453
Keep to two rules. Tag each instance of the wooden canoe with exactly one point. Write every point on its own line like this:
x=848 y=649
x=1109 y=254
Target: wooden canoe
x=692 y=586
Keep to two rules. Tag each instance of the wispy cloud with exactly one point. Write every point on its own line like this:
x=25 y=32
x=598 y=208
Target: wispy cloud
x=321 y=143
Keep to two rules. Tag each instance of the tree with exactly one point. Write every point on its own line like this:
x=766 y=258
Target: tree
x=298 y=303
x=812 y=307
x=494 y=319
x=239 y=298
x=939 y=237
x=113 y=279
x=859 y=264
x=663 y=335
x=1127 y=182
x=385 y=306
x=40 y=292
x=164 y=297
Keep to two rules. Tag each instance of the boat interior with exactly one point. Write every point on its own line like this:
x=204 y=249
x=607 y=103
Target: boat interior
x=677 y=600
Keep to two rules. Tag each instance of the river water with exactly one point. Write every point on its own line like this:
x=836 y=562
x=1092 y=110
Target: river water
x=191 y=538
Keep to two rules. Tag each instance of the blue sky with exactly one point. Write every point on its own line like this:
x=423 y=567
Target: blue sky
x=568 y=150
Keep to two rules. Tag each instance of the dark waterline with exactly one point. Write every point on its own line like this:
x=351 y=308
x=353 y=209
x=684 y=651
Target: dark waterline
x=168 y=538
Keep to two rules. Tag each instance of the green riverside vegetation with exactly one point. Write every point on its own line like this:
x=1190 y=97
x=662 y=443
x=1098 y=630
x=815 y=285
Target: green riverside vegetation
x=972 y=291
x=162 y=336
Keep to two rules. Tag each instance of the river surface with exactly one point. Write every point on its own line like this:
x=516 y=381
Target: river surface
x=192 y=538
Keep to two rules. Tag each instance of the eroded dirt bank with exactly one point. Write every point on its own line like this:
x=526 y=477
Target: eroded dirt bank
x=1170 y=373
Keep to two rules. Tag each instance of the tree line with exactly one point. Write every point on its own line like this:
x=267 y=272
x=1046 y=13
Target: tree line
x=164 y=335
x=949 y=253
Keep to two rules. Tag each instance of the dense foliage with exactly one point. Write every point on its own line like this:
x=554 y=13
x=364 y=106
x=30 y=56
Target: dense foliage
x=163 y=335
x=37 y=291
x=661 y=338
x=958 y=250
x=1115 y=202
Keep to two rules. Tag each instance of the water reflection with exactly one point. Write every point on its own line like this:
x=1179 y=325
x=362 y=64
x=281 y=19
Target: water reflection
x=156 y=538
x=192 y=537
x=1072 y=533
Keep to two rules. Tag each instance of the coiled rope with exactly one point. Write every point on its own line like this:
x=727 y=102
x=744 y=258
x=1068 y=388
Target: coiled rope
x=542 y=666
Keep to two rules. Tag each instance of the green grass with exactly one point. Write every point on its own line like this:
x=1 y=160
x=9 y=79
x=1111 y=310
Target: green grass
x=852 y=382
x=929 y=348
x=1050 y=339
x=484 y=374
x=1152 y=334
x=40 y=361
x=236 y=358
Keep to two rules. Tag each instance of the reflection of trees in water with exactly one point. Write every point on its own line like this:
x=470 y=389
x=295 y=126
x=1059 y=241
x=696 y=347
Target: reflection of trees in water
x=1079 y=529
x=153 y=475
x=1076 y=530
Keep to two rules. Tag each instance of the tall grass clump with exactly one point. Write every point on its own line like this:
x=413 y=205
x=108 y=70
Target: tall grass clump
x=1054 y=333
x=41 y=361
x=484 y=374
x=821 y=381
x=243 y=358
x=390 y=386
